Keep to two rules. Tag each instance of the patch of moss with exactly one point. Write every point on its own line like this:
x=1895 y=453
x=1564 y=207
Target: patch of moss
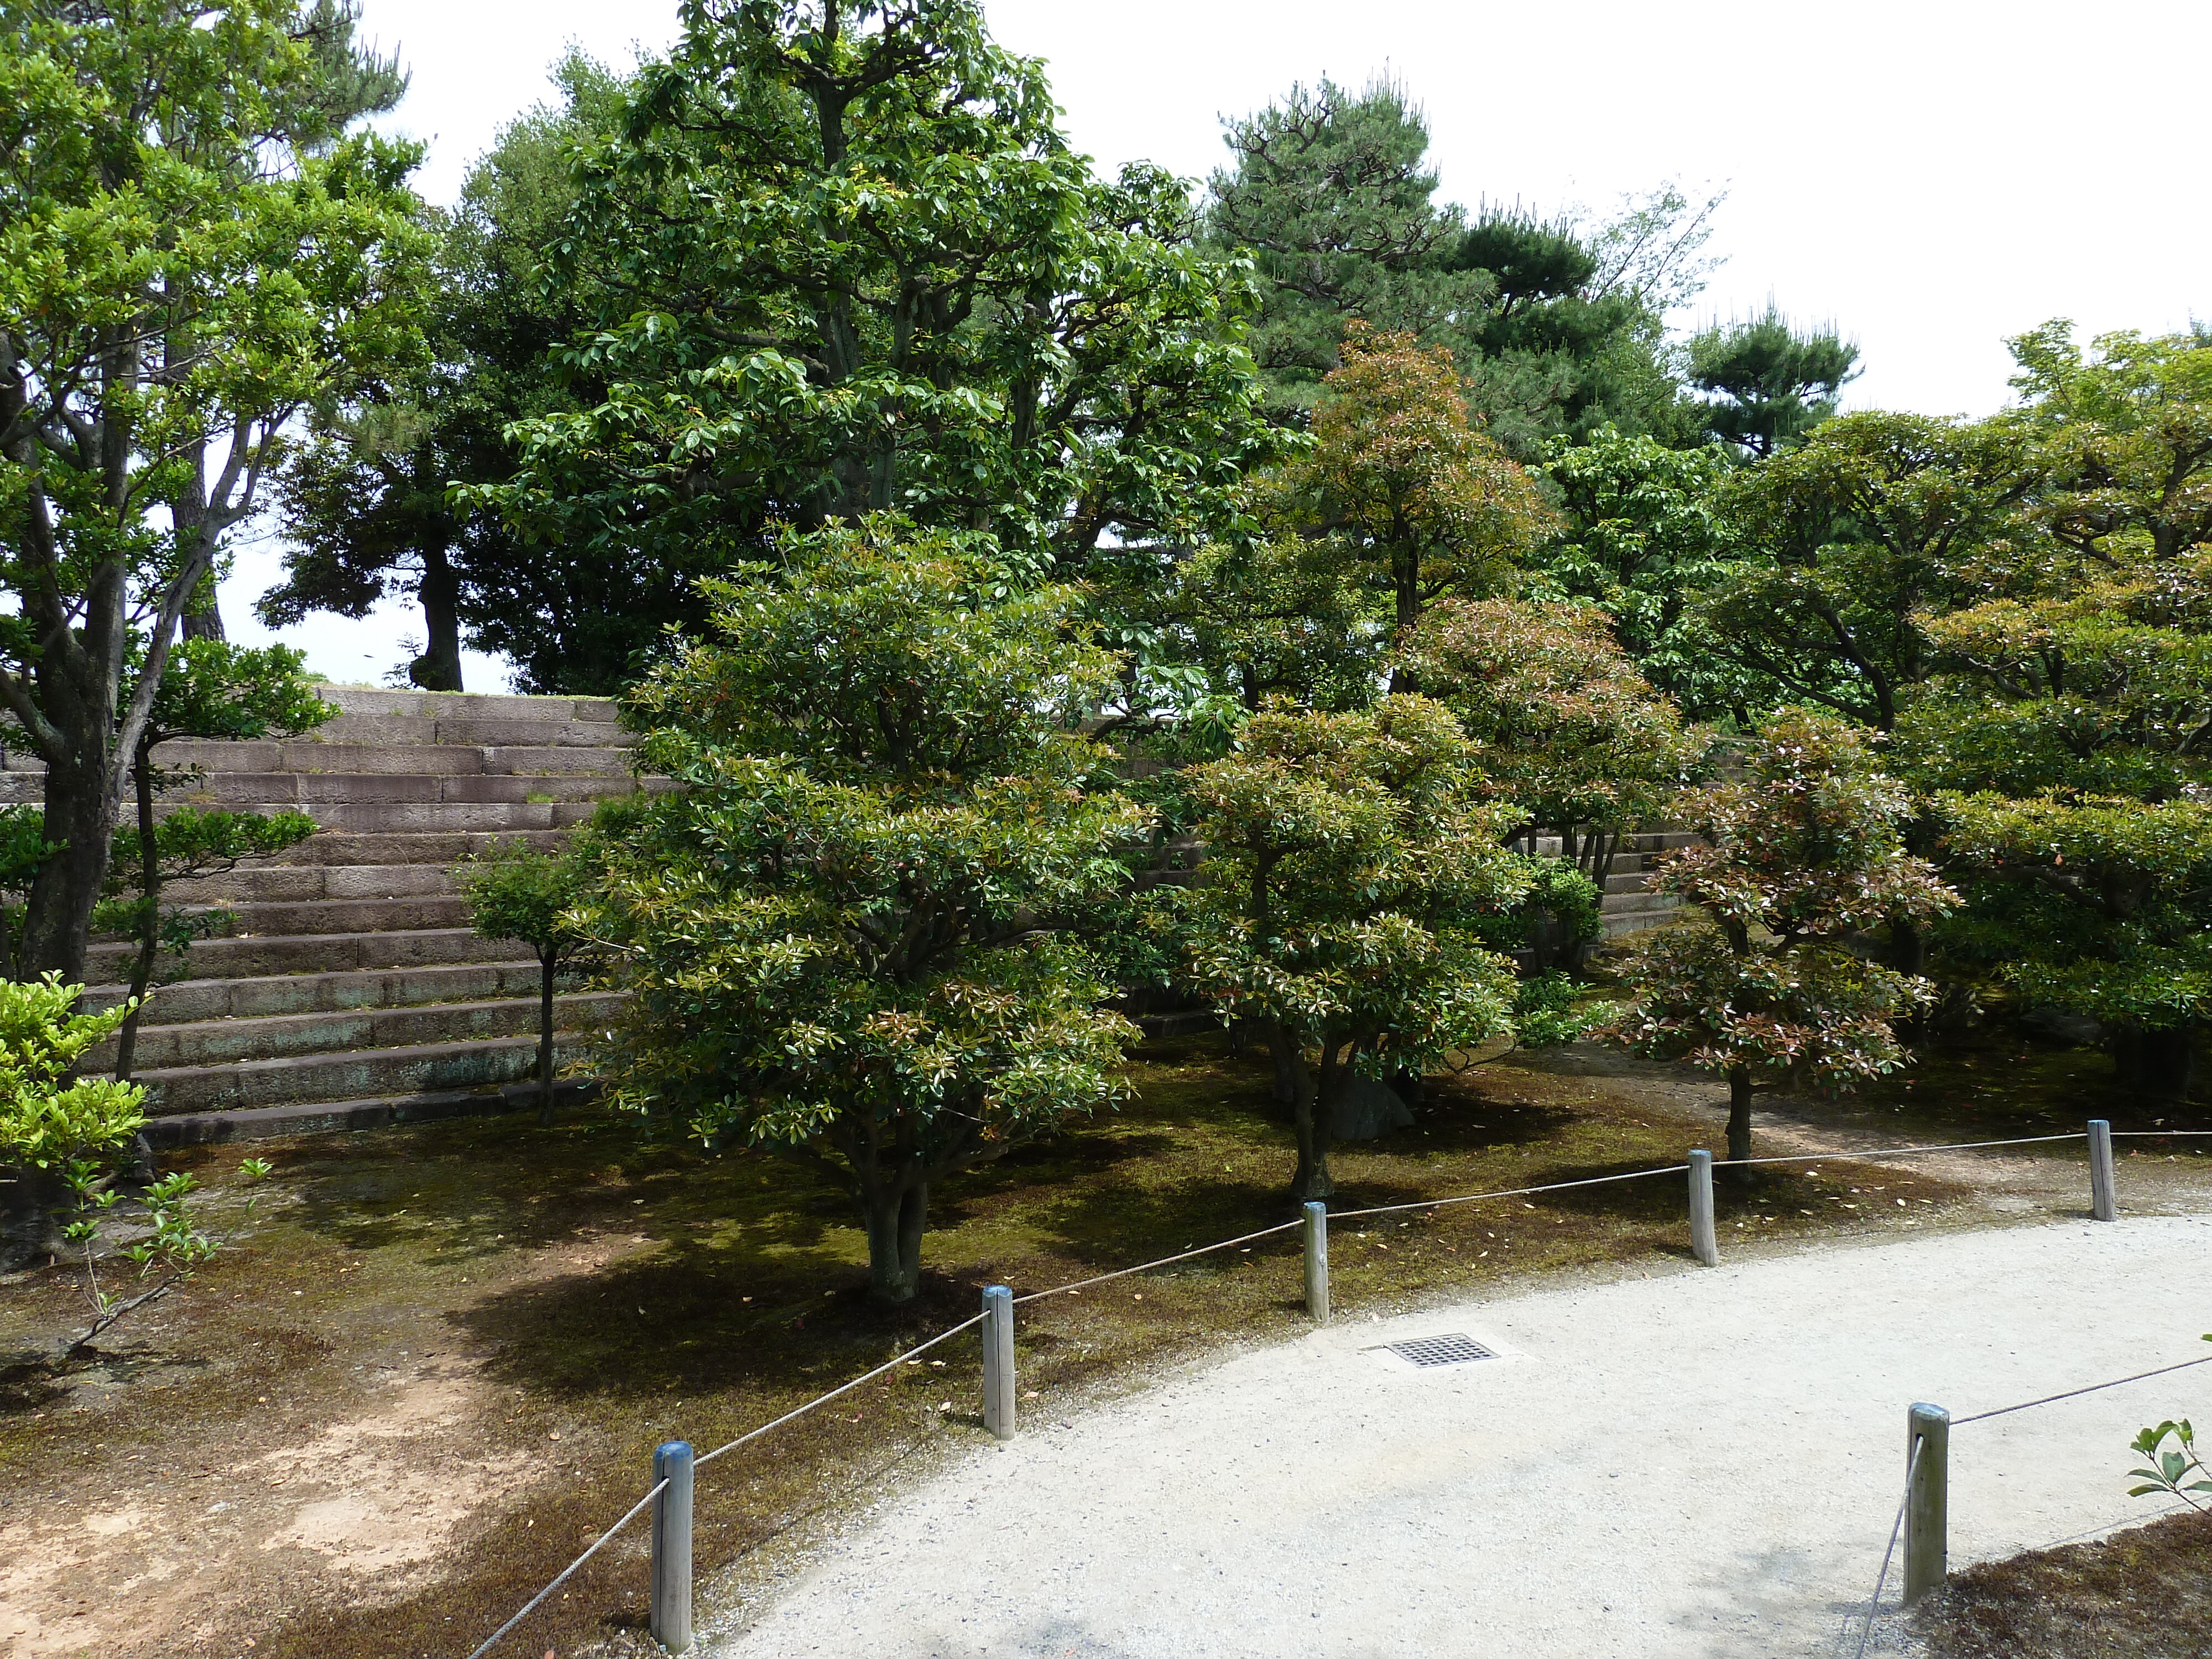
x=618 y=1292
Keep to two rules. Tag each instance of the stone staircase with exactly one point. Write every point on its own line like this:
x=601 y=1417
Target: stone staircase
x=346 y=989
x=1626 y=906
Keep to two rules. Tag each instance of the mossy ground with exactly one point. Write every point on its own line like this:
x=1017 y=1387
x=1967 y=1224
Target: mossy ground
x=591 y=1293
x=2142 y=1594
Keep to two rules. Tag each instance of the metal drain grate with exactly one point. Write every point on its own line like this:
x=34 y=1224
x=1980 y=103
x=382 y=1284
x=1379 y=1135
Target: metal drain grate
x=1451 y=1349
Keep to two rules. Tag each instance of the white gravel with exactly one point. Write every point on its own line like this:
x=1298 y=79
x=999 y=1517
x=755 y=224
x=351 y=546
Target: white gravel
x=1698 y=1463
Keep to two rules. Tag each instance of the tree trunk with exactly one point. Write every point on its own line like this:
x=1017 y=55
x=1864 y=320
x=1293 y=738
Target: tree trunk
x=189 y=513
x=2158 y=1065
x=1738 y=1123
x=1286 y=1082
x=895 y=1218
x=81 y=813
x=149 y=916
x=546 y=964
x=1309 y=1116
x=31 y=1201
x=1908 y=946
x=440 y=596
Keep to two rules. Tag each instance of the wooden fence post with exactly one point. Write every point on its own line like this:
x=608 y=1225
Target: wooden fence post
x=1705 y=1243
x=673 y=1461
x=1317 y=1214
x=999 y=1361
x=1927 y=1501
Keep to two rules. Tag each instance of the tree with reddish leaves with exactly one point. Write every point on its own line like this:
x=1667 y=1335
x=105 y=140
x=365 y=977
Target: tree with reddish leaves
x=1401 y=472
x=1800 y=853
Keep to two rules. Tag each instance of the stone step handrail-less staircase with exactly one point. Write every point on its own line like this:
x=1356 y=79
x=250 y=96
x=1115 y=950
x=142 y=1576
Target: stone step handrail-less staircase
x=346 y=989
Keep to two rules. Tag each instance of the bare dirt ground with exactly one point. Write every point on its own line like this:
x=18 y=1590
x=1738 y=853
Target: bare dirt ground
x=439 y=1364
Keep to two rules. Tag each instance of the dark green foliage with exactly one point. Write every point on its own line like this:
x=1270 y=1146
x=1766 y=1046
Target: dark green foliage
x=1643 y=540
x=1559 y=352
x=24 y=850
x=536 y=899
x=1550 y=1009
x=1847 y=541
x=1005 y=343
x=1558 y=914
x=839 y=935
x=1766 y=383
x=1333 y=195
x=367 y=501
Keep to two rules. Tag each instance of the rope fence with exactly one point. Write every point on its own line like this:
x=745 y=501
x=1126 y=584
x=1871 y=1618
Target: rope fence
x=568 y=1571
x=1926 y=1545
x=672 y=1613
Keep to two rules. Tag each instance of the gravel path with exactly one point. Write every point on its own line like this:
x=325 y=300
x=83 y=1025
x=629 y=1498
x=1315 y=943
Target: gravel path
x=1698 y=1463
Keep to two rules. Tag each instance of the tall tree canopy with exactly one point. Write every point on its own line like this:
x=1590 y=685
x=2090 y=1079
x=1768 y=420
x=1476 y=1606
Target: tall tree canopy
x=367 y=500
x=1768 y=383
x=1555 y=331
x=2067 y=731
x=1333 y=194
x=1852 y=539
x=849 y=264
x=196 y=257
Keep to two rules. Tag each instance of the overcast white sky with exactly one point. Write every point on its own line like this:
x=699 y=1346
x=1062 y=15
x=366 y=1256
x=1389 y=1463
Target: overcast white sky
x=1931 y=176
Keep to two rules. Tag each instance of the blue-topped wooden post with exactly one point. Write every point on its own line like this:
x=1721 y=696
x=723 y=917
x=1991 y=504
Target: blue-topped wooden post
x=1317 y=1215
x=999 y=1361
x=2104 y=1199
x=671 y=1545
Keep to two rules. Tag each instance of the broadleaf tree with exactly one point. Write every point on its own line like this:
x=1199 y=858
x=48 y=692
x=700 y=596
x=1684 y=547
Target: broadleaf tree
x=536 y=899
x=195 y=257
x=851 y=265
x=1408 y=480
x=2066 y=730
x=1798 y=853
x=1347 y=859
x=842 y=934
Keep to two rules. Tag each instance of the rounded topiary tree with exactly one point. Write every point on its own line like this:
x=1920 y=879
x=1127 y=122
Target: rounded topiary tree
x=840 y=932
x=1800 y=853
x=1348 y=860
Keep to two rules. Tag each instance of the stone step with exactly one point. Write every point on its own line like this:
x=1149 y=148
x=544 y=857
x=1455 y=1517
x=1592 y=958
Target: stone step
x=339 y=848
x=306 y=953
x=283 y=789
x=315 y=754
x=465 y=705
x=270 y=884
x=419 y=818
x=1627 y=904
x=315 y=1117
x=285 y=919
x=226 y=1042
x=182 y=1001
x=419 y=1068
x=488 y=732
